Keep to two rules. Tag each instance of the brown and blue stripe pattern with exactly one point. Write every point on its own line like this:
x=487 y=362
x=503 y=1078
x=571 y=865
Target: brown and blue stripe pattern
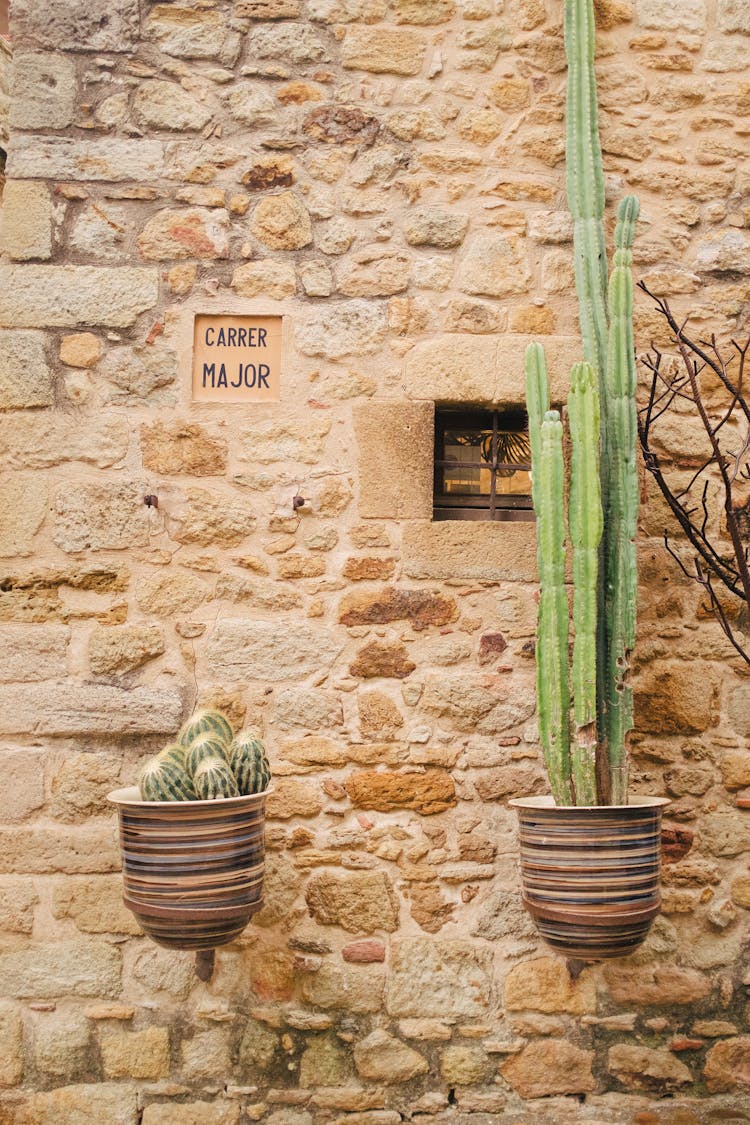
x=192 y=870
x=591 y=875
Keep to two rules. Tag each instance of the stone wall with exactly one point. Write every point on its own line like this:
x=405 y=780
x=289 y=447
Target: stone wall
x=387 y=175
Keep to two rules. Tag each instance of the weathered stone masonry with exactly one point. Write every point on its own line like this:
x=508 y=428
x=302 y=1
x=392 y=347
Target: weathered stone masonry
x=387 y=176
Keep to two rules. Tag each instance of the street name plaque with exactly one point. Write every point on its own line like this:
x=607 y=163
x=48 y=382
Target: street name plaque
x=236 y=358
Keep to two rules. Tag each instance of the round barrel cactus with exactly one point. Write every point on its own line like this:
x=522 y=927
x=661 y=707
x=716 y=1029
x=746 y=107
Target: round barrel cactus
x=175 y=753
x=247 y=758
x=205 y=721
x=163 y=779
x=213 y=778
x=203 y=747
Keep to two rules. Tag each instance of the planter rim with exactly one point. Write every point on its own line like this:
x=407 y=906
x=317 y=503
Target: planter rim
x=131 y=796
x=547 y=801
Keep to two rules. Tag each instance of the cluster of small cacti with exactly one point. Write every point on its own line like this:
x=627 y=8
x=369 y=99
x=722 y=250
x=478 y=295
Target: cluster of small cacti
x=207 y=761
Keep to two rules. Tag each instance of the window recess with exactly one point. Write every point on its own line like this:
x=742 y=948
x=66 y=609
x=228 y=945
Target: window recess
x=482 y=465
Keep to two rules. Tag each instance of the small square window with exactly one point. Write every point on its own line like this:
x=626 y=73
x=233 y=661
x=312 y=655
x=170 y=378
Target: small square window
x=482 y=465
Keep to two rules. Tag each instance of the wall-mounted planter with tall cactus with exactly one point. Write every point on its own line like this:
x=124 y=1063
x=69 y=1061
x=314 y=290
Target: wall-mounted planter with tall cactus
x=589 y=856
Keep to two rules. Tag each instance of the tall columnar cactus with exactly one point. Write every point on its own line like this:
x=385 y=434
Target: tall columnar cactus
x=603 y=495
x=621 y=575
x=585 y=520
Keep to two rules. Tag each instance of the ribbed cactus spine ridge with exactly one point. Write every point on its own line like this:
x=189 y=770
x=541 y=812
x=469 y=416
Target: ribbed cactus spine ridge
x=205 y=746
x=207 y=720
x=248 y=761
x=164 y=780
x=175 y=753
x=214 y=779
x=585 y=522
x=553 y=676
x=621 y=575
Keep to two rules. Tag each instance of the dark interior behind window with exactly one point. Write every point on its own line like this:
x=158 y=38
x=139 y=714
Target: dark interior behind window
x=482 y=465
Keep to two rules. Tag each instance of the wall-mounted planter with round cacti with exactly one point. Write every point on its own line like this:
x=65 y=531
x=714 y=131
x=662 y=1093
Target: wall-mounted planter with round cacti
x=192 y=836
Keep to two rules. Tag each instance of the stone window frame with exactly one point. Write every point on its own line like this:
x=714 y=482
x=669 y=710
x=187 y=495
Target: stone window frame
x=481 y=416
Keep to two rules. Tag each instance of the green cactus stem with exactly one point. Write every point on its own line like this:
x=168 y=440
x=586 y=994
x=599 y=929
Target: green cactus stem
x=553 y=675
x=585 y=521
x=585 y=181
x=621 y=578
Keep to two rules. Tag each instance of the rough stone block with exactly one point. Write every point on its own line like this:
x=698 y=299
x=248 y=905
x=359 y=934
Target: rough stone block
x=268 y=442
x=136 y=1054
x=672 y=15
x=33 y=652
x=41 y=850
x=490 y=369
x=395 y=459
x=165 y=105
x=100 y=517
x=26 y=221
x=343 y=328
x=273 y=279
x=382 y=1058
x=25 y=377
x=350 y=988
x=77 y=25
x=23 y=506
x=673 y=698
x=39 y=440
x=739 y=709
x=379 y=607
x=17 y=901
x=78 y=967
x=453 y=368
x=94 y=904
x=282 y=222
x=383 y=50
x=80 y=784
x=119 y=649
x=11 y=1044
x=207 y=1055
x=474 y=550
x=61 y=1040
x=170 y=592
x=23 y=773
x=734 y=15
x=494 y=265
x=43 y=91
x=645 y=1068
x=192 y=33
x=194 y=1113
x=291 y=42
x=67 y=296
x=550 y=1066
x=71 y=709
x=68 y=158
x=727 y=1065
x=81 y=349
x=265 y=650
x=439 y=979
x=656 y=985
x=182 y=447
x=81 y=1105
x=545 y=985
x=358 y=901
x=722 y=251
x=197 y=232
x=432 y=791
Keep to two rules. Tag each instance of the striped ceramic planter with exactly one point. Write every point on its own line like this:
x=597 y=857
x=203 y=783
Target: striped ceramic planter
x=193 y=870
x=590 y=875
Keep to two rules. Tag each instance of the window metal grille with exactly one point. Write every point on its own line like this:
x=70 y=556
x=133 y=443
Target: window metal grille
x=482 y=465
